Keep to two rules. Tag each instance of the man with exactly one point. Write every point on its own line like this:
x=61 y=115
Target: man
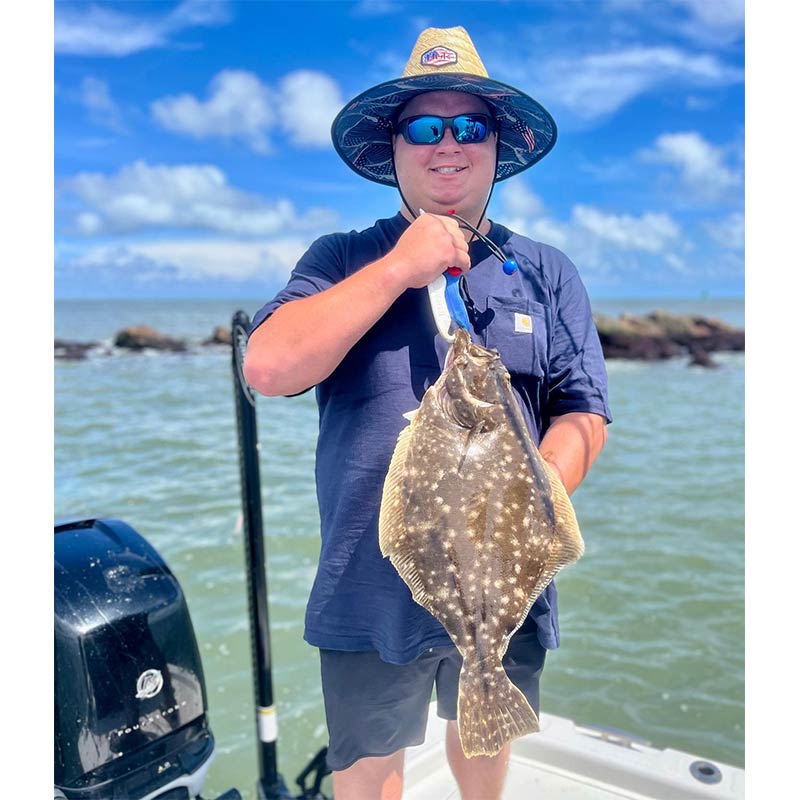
x=355 y=321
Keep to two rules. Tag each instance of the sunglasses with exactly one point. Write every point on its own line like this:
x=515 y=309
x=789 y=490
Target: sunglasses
x=429 y=129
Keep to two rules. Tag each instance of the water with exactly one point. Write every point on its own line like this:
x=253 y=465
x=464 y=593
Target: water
x=652 y=616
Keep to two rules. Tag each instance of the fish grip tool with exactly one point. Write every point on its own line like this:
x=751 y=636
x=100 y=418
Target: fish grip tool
x=447 y=304
x=444 y=292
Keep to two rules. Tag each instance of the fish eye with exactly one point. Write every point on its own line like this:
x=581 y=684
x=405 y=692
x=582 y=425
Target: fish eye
x=462 y=361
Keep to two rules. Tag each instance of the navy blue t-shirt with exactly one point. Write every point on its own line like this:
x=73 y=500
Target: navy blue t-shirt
x=540 y=321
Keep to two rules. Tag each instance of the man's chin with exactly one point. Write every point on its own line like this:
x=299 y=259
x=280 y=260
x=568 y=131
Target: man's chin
x=442 y=203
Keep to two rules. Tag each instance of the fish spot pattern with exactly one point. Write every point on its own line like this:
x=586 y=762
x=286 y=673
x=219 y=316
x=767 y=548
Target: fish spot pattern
x=476 y=525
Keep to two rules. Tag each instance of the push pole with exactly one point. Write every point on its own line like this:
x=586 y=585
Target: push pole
x=270 y=783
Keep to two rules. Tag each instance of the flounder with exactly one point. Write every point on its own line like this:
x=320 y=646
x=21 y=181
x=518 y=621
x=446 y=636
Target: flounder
x=476 y=524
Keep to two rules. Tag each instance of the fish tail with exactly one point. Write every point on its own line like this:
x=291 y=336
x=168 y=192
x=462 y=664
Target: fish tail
x=491 y=710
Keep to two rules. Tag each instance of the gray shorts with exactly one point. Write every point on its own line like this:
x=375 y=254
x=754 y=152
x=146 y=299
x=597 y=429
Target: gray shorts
x=374 y=708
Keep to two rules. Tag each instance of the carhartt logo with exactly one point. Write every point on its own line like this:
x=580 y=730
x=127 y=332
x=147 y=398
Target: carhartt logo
x=523 y=323
x=438 y=57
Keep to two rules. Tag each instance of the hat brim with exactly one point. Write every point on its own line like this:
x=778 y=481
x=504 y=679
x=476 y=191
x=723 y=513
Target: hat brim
x=362 y=130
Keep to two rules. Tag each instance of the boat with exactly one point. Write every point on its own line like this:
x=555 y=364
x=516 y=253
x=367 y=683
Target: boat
x=131 y=706
x=577 y=762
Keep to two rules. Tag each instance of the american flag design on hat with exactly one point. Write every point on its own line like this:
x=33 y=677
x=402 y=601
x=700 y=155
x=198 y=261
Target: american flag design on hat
x=443 y=59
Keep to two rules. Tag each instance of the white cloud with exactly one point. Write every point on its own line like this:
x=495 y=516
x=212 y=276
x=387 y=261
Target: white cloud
x=100 y=31
x=700 y=165
x=697 y=103
x=308 y=103
x=375 y=8
x=596 y=85
x=199 y=12
x=239 y=107
x=115 y=260
x=519 y=201
x=600 y=242
x=198 y=259
x=678 y=263
x=142 y=196
x=547 y=230
x=650 y=233
x=419 y=24
x=717 y=13
x=103 y=31
x=96 y=98
x=728 y=232
x=712 y=21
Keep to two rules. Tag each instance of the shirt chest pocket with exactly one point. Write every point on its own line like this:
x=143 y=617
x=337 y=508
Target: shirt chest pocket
x=518 y=331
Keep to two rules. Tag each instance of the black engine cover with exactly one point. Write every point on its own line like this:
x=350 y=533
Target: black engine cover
x=130 y=703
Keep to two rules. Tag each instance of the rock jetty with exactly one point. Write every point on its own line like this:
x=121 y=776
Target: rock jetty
x=73 y=351
x=219 y=336
x=661 y=334
x=654 y=336
x=141 y=337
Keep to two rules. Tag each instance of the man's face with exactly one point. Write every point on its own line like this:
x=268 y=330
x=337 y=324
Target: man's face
x=421 y=169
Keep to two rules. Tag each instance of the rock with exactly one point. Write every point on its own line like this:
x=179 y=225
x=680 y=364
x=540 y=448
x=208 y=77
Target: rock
x=678 y=327
x=141 y=337
x=629 y=337
x=72 y=351
x=220 y=336
x=701 y=358
x=662 y=334
x=642 y=326
x=687 y=330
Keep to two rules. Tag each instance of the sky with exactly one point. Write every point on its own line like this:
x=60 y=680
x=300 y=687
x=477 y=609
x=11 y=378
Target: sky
x=192 y=150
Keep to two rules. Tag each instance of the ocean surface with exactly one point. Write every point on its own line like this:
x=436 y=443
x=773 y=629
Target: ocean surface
x=652 y=616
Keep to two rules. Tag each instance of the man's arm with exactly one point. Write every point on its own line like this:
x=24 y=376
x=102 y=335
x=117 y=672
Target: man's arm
x=305 y=340
x=571 y=444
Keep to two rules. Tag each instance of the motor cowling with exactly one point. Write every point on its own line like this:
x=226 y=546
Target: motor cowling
x=130 y=701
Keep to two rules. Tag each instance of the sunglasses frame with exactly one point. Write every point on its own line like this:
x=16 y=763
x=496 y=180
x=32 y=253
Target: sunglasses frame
x=447 y=123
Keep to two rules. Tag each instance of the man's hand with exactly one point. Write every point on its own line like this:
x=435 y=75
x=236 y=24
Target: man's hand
x=292 y=351
x=571 y=444
x=431 y=244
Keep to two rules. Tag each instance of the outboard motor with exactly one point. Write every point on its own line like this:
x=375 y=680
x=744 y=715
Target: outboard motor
x=130 y=700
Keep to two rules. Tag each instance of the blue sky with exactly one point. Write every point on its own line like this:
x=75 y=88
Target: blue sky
x=193 y=155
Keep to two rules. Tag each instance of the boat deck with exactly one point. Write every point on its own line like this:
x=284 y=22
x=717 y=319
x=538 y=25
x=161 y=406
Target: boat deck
x=568 y=761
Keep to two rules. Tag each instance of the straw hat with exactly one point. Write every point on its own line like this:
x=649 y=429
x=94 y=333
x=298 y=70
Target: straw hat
x=443 y=59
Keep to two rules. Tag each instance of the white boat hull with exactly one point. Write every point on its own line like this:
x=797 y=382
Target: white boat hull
x=565 y=760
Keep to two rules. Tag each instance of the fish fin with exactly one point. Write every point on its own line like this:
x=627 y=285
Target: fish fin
x=491 y=710
x=392 y=532
x=567 y=530
x=409 y=415
x=568 y=533
x=391 y=523
x=568 y=544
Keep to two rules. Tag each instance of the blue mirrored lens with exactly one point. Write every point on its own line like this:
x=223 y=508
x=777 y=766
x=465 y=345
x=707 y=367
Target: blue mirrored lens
x=469 y=128
x=425 y=130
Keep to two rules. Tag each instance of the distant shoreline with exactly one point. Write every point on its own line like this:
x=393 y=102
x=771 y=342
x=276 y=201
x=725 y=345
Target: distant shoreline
x=653 y=336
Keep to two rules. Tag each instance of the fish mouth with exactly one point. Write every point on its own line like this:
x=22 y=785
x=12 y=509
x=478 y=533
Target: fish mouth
x=459 y=347
x=469 y=371
x=463 y=347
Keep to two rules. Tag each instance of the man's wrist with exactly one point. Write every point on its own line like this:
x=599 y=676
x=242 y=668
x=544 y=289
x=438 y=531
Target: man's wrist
x=393 y=274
